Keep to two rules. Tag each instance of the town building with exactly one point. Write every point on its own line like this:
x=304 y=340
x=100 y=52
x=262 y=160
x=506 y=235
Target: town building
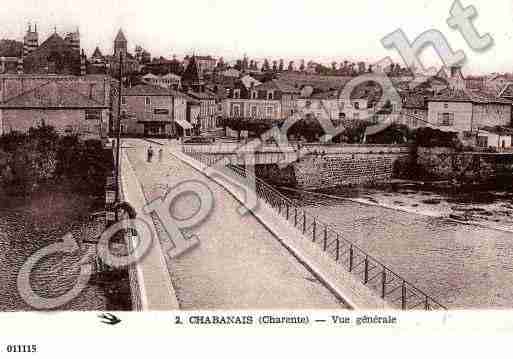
x=466 y=111
x=193 y=84
x=30 y=41
x=414 y=112
x=71 y=104
x=163 y=66
x=170 y=81
x=130 y=64
x=54 y=56
x=267 y=102
x=152 y=111
x=496 y=137
x=205 y=64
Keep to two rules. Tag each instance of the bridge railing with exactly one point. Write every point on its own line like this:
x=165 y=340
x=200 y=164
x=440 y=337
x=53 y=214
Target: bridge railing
x=371 y=272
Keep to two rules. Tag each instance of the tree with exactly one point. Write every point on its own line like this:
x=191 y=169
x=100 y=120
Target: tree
x=334 y=66
x=291 y=66
x=281 y=66
x=302 y=66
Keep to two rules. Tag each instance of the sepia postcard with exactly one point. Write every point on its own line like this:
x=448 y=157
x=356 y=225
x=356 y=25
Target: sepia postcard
x=299 y=168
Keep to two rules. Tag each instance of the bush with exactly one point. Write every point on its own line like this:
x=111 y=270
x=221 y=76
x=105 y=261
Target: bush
x=41 y=155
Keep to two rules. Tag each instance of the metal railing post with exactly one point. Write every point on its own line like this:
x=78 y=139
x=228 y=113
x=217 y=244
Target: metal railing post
x=426 y=305
x=295 y=216
x=304 y=222
x=313 y=230
x=383 y=284
x=351 y=258
x=403 y=296
x=366 y=271
x=325 y=238
x=287 y=211
x=337 y=255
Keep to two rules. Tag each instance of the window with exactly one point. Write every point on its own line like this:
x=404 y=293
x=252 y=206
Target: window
x=482 y=141
x=147 y=101
x=467 y=134
x=253 y=111
x=235 y=111
x=270 y=95
x=342 y=116
x=269 y=112
x=236 y=93
x=446 y=119
x=446 y=105
x=356 y=105
x=161 y=111
x=253 y=95
x=93 y=115
x=123 y=100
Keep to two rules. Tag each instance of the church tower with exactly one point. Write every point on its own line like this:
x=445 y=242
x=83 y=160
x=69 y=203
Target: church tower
x=192 y=78
x=31 y=40
x=73 y=40
x=120 y=44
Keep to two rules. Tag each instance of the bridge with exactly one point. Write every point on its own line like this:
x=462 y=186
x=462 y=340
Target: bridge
x=240 y=154
x=284 y=258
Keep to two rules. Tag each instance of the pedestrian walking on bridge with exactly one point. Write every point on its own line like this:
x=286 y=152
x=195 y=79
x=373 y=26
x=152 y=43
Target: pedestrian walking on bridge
x=150 y=154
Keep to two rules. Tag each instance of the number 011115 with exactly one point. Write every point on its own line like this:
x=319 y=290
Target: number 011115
x=21 y=348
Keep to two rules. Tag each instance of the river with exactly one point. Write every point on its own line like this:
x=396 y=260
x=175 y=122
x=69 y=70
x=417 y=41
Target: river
x=27 y=225
x=462 y=265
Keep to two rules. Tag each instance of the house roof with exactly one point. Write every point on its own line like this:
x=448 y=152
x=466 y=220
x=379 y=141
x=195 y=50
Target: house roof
x=170 y=75
x=231 y=73
x=50 y=96
x=415 y=101
x=499 y=130
x=150 y=76
x=97 y=53
x=278 y=85
x=148 y=90
x=247 y=81
x=374 y=129
x=507 y=91
x=466 y=95
x=206 y=95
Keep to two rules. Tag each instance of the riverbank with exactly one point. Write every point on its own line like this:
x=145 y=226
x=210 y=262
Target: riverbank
x=491 y=209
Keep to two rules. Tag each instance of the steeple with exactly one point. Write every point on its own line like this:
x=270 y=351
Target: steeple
x=30 y=40
x=192 y=77
x=120 y=44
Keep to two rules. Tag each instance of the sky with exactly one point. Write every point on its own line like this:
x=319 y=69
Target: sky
x=318 y=30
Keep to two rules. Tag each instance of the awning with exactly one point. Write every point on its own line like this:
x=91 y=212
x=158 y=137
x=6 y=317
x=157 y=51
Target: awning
x=184 y=124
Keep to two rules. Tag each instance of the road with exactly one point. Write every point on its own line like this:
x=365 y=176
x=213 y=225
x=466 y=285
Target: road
x=239 y=264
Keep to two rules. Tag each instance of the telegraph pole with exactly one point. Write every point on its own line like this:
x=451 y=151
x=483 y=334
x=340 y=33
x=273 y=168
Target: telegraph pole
x=118 y=135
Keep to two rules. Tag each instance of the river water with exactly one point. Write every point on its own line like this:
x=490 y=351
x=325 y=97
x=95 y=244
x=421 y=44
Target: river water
x=462 y=265
x=27 y=225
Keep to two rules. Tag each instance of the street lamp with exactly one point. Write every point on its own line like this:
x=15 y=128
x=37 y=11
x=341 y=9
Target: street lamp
x=118 y=135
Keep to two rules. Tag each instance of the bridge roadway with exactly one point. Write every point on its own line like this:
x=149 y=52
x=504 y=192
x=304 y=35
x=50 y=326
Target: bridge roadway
x=239 y=264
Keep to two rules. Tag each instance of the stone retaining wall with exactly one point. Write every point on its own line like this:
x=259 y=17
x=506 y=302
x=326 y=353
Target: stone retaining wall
x=314 y=172
x=443 y=163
